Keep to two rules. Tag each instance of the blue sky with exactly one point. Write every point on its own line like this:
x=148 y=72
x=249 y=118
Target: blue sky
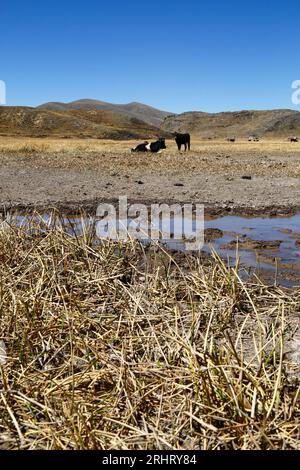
x=174 y=55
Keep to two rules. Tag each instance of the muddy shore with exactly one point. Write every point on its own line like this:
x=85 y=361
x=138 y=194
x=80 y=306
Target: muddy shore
x=74 y=191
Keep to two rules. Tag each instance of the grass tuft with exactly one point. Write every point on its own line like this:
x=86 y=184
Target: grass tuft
x=118 y=346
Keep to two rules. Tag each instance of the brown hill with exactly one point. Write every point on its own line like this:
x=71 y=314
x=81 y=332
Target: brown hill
x=25 y=121
x=273 y=123
x=139 y=111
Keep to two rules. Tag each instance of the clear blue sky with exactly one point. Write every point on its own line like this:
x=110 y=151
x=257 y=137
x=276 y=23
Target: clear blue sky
x=175 y=55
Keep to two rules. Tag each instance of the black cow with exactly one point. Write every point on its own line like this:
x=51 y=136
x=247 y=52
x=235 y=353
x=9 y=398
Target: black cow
x=154 y=147
x=183 y=139
x=231 y=139
x=160 y=144
x=293 y=139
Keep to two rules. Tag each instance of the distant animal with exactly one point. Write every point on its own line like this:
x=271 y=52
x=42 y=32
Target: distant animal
x=231 y=139
x=153 y=147
x=293 y=139
x=141 y=147
x=183 y=139
x=253 y=138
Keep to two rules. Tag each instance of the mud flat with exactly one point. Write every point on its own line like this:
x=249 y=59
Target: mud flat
x=243 y=179
x=265 y=247
x=73 y=174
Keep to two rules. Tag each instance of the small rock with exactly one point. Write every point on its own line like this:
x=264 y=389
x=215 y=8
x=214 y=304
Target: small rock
x=139 y=182
x=246 y=177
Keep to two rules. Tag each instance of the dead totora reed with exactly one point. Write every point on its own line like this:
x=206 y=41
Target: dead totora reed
x=120 y=346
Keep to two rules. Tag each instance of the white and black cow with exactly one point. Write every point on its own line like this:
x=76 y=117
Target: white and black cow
x=153 y=147
x=141 y=147
x=293 y=139
x=183 y=139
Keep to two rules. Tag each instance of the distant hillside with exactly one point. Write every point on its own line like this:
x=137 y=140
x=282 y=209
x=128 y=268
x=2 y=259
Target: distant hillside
x=39 y=122
x=273 y=123
x=84 y=118
x=140 y=111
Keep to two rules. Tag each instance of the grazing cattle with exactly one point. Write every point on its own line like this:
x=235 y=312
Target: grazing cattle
x=183 y=139
x=253 y=138
x=293 y=139
x=231 y=139
x=154 y=147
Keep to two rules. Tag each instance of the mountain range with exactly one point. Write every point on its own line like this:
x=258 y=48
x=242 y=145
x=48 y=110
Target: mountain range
x=240 y=124
x=89 y=118
x=140 y=111
x=84 y=121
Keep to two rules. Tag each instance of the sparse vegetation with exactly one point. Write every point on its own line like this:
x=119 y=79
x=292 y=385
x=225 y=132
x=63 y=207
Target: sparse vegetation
x=106 y=156
x=94 y=170
x=122 y=347
x=273 y=123
x=79 y=123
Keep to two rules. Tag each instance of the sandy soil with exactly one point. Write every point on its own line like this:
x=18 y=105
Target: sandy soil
x=42 y=173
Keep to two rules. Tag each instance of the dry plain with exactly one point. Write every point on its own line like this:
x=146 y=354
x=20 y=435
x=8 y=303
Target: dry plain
x=118 y=346
x=72 y=173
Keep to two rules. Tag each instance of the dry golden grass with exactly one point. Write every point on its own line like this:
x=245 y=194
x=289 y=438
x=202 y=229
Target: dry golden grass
x=265 y=158
x=54 y=145
x=121 y=347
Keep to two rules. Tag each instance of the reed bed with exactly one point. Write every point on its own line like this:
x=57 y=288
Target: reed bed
x=120 y=346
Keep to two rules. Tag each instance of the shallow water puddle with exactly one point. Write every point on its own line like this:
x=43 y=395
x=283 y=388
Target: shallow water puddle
x=264 y=244
x=269 y=247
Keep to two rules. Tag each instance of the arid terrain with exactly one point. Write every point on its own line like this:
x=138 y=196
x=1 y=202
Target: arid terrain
x=80 y=122
x=73 y=173
x=139 y=111
x=271 y=124
x=95 y=119
x=118 y=345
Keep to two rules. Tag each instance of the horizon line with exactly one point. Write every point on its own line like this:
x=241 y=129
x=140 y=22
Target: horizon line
x=149 y=105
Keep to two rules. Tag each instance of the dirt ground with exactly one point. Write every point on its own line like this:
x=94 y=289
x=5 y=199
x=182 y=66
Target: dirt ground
x=241 y=177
